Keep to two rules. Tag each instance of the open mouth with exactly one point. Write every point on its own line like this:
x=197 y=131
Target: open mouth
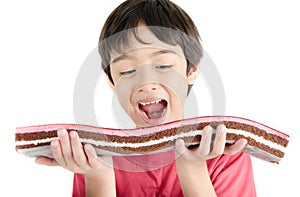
x=153 y=112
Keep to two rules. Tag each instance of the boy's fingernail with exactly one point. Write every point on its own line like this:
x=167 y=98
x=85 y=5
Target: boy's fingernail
x=207 y=131
x=73 y=134
x=222 y=128
x=245 y=142
x=62 y=132
x=89 y=148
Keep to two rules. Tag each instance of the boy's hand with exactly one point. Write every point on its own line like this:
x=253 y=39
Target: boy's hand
x=205 y=151
x=69 y=153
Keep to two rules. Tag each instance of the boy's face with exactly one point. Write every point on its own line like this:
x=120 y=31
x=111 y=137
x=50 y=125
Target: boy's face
x=150 y=80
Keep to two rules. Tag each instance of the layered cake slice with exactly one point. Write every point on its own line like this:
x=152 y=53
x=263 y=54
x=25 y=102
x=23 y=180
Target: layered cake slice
x=263 y=142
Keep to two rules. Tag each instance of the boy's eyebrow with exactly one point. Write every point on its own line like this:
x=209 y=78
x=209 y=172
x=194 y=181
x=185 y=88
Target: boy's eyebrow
x=156 y=53
x=119 y=58
x=164 y=51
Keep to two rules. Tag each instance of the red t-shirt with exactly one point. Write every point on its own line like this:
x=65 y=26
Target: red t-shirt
x=231 y=175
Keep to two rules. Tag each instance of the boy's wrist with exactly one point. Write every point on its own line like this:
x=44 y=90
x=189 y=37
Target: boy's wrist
x=100 y=183
x=103 y=174
x=180 y=162
x=194 y=178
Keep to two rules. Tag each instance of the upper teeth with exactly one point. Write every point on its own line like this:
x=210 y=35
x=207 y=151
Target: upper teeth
x=148 y=103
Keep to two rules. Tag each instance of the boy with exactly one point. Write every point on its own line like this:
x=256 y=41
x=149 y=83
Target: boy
x=150 y=50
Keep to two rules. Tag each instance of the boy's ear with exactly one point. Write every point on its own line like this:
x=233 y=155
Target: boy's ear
x=110 y=84
x=193 y=74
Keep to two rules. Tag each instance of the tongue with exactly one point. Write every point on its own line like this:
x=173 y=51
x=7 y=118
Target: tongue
x=153 y=111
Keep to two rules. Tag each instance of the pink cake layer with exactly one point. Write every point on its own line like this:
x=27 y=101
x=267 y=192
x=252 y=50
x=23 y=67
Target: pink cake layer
x=152 y=129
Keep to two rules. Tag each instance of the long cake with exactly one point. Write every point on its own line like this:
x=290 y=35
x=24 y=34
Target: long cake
x=264 y=142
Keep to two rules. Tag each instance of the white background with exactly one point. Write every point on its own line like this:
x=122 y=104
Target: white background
x=254 y=44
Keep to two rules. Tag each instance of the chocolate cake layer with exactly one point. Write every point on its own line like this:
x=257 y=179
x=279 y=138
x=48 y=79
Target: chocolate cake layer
x=158 y=135
x=163 y=145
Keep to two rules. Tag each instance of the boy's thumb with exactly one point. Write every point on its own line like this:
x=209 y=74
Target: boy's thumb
x=180 y=147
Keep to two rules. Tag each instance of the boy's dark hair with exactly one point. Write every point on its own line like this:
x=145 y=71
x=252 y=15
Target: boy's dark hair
x=167 y=21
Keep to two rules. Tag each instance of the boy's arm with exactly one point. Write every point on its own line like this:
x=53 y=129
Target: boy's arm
x=191 y=164
x=102 y=184
x=69 y=153
x=195 y=180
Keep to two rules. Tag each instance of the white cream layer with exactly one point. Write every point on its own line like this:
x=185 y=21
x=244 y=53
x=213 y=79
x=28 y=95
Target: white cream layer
x=259 y=139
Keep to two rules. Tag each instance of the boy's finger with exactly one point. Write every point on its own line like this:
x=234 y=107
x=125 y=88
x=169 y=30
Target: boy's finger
x=180 y=147
x=204 y=147
x=65 y=146
x=46 y=161
x=236 y=147
x=77 y=150
x=57 y=153
x=220 y=140
x=91 y=156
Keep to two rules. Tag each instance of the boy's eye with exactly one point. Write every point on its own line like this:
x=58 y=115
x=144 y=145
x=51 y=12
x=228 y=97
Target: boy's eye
x=128 y=72
x=163 y=67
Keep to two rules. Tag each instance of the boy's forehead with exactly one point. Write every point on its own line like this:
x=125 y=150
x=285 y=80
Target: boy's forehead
x=141 y=38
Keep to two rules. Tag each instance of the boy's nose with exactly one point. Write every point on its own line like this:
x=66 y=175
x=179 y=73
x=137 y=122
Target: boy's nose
x=148 y=87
